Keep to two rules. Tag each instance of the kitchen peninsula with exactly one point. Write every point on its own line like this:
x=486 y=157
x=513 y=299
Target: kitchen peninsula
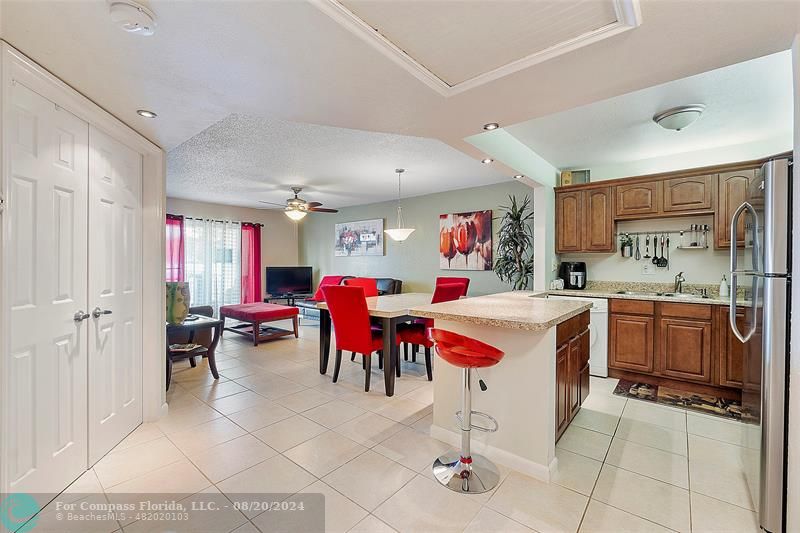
x=537 y=388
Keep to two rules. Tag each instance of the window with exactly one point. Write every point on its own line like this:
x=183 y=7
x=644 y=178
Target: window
x=213 y=266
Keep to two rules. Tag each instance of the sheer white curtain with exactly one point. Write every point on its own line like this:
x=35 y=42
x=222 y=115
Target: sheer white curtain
x=212 y=252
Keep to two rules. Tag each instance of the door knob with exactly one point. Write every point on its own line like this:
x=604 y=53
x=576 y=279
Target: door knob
x=97 y=312
x=80 y=316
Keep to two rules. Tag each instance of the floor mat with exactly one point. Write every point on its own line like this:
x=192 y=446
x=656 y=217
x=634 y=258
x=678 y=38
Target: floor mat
x=704 y=403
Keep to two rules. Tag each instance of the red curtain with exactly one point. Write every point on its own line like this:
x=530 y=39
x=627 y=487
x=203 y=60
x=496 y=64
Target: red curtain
x=251 y=262
x=175 y=270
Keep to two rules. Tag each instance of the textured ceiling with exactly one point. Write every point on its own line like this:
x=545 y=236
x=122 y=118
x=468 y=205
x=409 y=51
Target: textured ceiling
x=244 y=159
x=746 y=103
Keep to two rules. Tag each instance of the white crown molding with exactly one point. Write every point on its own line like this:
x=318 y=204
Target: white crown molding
x=628 y=17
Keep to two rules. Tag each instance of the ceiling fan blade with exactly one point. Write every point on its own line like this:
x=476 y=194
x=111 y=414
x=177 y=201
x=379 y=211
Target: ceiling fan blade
x=272 y=203
x=313 y=204
x=322 y=210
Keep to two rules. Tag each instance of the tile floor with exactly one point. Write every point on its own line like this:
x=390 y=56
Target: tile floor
x=273 y=424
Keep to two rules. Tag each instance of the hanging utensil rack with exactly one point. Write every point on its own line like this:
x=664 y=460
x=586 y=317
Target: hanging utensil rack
x=702 y=229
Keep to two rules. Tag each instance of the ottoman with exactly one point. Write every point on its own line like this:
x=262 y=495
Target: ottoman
x=255 y=314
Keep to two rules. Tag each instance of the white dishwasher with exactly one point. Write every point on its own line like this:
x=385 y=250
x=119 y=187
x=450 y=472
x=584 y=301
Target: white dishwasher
x=598 y=333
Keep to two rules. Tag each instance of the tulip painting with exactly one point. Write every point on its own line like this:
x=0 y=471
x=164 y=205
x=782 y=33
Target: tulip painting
x=465 y=241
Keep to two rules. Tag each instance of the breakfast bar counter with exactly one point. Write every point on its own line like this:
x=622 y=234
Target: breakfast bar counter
x=529 y=392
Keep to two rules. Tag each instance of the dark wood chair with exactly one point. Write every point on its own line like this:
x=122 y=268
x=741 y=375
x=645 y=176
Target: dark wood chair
x=203 y=337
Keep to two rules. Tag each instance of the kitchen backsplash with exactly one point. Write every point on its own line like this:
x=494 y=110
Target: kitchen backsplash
x=704 y=266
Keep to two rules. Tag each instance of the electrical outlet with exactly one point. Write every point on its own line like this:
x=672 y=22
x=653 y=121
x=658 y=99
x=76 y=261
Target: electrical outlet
x=648 y=269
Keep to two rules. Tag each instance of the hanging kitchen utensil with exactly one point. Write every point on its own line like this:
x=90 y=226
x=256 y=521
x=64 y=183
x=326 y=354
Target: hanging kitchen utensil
x=656 y=259
x=662 y=262
x=647 y=247
x=638 y=254
x=667 y=251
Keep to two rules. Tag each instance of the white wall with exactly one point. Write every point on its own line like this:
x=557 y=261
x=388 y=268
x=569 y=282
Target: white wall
x=278 y=236
x=698 y=266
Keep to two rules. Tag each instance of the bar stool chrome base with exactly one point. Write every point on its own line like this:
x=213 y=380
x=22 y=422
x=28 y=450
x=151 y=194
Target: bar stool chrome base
x=481 y=475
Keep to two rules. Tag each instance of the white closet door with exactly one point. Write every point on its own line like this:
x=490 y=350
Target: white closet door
x=115 y=280
x=46 y=239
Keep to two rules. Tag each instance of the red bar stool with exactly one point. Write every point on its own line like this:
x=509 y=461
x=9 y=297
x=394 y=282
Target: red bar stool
x=462 y=471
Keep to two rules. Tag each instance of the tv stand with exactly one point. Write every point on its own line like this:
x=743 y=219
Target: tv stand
x=290 y=298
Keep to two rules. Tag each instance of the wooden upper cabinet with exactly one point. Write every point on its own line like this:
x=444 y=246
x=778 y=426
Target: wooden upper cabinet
x=731 y=192
x=687 y=195
x=731 y=349
x=638 y=200
x=685 y=349
x=630 y=344
x=569 y=218
x=598 y=227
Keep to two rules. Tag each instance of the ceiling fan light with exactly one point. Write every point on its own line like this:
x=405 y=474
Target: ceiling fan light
x=399 y=234
x=295 y=214
x=679 y=118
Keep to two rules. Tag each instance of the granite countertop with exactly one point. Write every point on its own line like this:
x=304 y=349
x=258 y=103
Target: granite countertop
x=606 y=293
x=525 y=310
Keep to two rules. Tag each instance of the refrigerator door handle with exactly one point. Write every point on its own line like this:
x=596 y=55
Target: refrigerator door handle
x=746 y=206
x=743 y=337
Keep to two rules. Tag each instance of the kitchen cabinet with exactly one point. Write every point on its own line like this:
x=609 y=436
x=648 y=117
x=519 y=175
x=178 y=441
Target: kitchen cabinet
x=569 y=221
x=631 y=342
x=585 y=221
x=731 y=192
x=688 y=195
x=638 y=200
x=572 y=369
x=731 y=349
x=685 y=349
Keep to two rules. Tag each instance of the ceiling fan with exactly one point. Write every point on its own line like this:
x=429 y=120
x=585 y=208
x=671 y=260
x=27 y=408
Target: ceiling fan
x=296 y=208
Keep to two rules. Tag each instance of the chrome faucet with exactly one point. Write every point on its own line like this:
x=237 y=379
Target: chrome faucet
x=679 y=279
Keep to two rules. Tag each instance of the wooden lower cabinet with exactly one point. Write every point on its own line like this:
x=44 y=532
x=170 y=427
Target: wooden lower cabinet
x=730 y=349
x=685 y=349
x=572 y=369
x=631 y=342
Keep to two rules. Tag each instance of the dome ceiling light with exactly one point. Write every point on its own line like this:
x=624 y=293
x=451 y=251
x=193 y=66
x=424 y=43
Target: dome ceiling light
x=679 y=118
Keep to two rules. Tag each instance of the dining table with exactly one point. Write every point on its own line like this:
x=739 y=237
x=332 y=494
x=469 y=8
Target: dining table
x=390 y=309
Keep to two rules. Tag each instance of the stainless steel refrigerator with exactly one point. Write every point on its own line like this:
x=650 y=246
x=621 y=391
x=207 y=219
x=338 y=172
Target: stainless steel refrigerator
x=760 y=233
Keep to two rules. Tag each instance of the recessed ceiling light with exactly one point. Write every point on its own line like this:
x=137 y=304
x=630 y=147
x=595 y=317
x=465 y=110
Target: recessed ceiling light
x=487 y=160
x=679 y=118
x=491 y=126
x=146 y=113
x=518 y=176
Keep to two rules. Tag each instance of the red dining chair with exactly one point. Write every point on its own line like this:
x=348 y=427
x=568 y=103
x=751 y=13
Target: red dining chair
x=441 y=280
x=416 y=333
x=370 y=285
x=348 y=309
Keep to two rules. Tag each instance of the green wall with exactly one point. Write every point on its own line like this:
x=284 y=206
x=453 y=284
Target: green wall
x=415 y=261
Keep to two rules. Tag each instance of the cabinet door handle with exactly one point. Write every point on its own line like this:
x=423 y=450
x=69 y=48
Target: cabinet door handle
x=97 y=312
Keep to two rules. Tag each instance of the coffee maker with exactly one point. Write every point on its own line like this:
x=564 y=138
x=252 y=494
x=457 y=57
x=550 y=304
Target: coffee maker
x=574 y=274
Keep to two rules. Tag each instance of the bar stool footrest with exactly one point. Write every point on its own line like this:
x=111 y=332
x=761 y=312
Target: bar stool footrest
x=491 y=428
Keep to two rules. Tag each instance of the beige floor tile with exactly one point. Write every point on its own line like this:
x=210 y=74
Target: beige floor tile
x=254 y=418
x=333 y=414
x=369 y=479
x=341 y=513
x=53 y=519
x=412 y=449
x=324 y=453
x=195 y=377
x=200 y=438
x=488 y=521
x=123 y=465
x=180 y=398
x=238 y=402
x=178 y=478
x=86 y=484
x=602 y=385
x=221 y=519
x=576 y=472
x=369 y=429
x=596 y=421
x=229 y=458
x=241 y=371
x=275 y=475
x=370 y=401
x=423 y=425
x=710 y=515
x=538 y=505
x=372 y=524
x=146 y=432
x=717 y=428
x=647 y=498
x=659 y=415
x=585 y=442
x=651 y=462
x=424 y=505
x=304 y=400
x=605 y=403
x=247 y=527
x=666 y=439
x=423 y=394
x=727 y=484
x=289 y=432
x=602 y=518
x=404 y=410
x=180 y=419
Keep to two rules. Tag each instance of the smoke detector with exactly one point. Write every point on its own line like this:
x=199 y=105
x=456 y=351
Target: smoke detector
x=132 y=17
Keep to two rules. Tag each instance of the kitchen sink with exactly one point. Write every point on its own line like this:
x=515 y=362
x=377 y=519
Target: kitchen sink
x=638 y=293
x=682 y=295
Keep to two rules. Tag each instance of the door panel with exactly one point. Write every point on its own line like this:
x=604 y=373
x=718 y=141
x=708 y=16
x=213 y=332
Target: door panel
x=46 y=240
x=731 y=192
x=731 y=349
x=688 y=194
x=562 y=389
x=631 y=342
x=574 y=377
x=115 y=361
x=598 y=233
x=569 y=216
x=638 y=199
x=686 y=349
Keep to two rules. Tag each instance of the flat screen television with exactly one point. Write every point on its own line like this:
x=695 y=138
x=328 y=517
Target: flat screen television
x=283 y=281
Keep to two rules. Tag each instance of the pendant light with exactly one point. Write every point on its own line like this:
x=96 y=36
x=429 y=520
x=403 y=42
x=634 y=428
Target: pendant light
x=399 y=233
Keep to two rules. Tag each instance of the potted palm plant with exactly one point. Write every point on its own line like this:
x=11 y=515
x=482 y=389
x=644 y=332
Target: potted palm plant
x=514 y=262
